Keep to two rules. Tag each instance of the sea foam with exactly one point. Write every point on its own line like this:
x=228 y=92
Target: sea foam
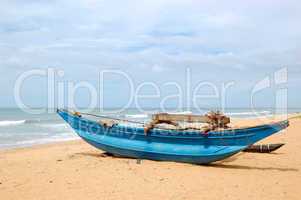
x=12 y=123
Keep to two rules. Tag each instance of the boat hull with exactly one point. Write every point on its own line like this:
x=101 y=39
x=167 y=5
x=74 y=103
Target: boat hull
x=167 y=145
x=159 y=151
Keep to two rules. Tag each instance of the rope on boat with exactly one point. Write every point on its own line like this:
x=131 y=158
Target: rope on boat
x=132 y=121
x=125 y=120
x=107 y=117
x=214 y=117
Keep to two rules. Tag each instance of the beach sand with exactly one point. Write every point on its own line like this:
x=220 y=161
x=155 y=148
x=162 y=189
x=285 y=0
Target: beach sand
x=75 y=170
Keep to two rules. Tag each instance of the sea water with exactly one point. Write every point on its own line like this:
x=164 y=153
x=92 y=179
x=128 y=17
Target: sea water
x=21 y=129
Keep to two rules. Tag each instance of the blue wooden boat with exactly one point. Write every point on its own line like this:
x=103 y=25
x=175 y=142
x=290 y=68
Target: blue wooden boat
x=189 y=146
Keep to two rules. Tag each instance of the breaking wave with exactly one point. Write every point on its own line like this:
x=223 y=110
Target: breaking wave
x=35 y=122
x=136 y=116
x=12 y=123
x=143 y=116
x=181 y=113
x=248 y=113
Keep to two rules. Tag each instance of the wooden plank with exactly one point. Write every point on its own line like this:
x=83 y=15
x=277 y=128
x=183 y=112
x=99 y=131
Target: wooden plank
x=191 y=118
x=180 y=117
x=214 y=120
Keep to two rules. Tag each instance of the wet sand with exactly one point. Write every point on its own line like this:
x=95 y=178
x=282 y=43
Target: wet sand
x=75 y=170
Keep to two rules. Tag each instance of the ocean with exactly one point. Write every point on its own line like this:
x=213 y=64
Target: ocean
x=20 y=129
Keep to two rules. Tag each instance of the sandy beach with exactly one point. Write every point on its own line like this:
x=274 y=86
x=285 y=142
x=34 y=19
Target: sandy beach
x=75 y=170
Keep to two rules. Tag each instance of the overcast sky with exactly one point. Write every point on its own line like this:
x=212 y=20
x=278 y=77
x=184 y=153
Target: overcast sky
x=153 y=40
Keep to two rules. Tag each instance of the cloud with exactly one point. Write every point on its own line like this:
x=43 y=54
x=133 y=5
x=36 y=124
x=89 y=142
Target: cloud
x=158 y=68
x=219 y=41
